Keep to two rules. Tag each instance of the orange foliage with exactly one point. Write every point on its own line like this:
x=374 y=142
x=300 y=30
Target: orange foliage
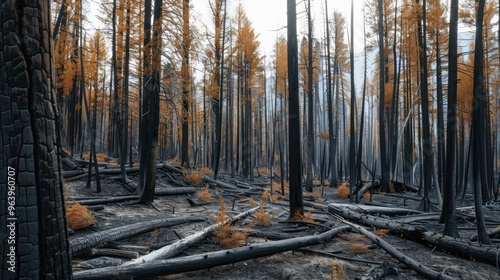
x=338 y=271
x=79 y=217
x=262 y=217
x=307 y=217
x=205 y=194
x=227 y=236
x=194 y=177
x=205 y=171
x=381 y=232
x=343 y=191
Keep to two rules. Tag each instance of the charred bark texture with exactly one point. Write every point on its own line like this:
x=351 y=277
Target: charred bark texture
x=29 y=146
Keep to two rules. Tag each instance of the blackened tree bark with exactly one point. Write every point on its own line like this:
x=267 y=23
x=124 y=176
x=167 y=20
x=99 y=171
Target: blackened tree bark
x=479 y=174
x=29 y=146
x=381 y=53
x=296 y=203
x=310 y=100
x=151 y=105
x=448 y=215
x=426 y=135
x=329 y=100
x=186 y=46
x=352 y=144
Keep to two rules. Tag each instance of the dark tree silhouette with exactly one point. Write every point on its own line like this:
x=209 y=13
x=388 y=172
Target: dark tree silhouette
x=296 y=203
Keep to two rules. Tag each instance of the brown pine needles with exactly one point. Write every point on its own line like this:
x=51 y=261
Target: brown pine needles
x=225 y=234
x=79 y=217
x=205 y=194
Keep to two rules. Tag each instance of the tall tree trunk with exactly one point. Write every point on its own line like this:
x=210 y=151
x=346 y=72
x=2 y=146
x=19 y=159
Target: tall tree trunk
x=382 y=79
x=30 y=165
x=310 y=100
x=151 y=119
x=352 y=136
x=329 y=100
x=448 y=215
x=186 y=46
x=479 y=174
x=296 y=203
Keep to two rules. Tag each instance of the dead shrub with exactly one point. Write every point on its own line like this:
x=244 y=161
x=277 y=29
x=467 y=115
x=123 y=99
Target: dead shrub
x=358 y=248
x=262 y=217
x=275 y=197
x=355 y=237
x=79 y=217
x=193 y=177
x=263 y=170
x=306 y=217
x=343 y=191
x=338 y=271
x=205 y=171
x=265 y=196
x=252 y=202
x=205 y=195
x=228 y=236
x=367 y=196
x=382 y=232
x=277 y=187
x=175 y=161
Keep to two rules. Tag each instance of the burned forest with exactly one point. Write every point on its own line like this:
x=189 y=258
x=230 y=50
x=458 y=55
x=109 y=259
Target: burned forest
x=250 y=139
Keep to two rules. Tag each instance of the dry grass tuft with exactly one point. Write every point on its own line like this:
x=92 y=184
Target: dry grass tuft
x=265 y=196
x=114 y=161
x=205 y=195
x=307 y=217
x=79 y=217
x=381 y=232
x=343 y=191
x=101 y=157
x=353 y=238
x=313 y=194
x=194 y=177
x=206 y=171
x=338 y=271
x=263 y=170
x=275 y=197
x=227 y=236
x=359 y=248
x=262 y=217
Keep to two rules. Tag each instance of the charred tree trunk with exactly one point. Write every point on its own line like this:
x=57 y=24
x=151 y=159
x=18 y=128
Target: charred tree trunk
x=30 y=164
x=296 y=203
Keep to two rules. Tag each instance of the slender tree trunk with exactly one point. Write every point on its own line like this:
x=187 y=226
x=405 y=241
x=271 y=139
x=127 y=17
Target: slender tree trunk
x=186 y=46
x=448 y=215
x=352 y=136
x=479 y=174
x=296 y=203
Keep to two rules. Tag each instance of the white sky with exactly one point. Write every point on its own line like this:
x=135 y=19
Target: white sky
x=269 y=15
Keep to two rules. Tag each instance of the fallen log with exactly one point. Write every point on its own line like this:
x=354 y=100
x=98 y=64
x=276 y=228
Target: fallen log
x=72 y=173
x=408 y=261
x=113 y=253
x=109 y=172
x=465 y=249
x=181 y=245
x=163 y=192
x=207 y=260
x=366 y=209
x=80 y=244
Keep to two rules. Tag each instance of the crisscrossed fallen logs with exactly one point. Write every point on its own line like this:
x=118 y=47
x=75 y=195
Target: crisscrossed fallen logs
x=390 y=211
x=207 y=260
x=96 y=239
x=465 y=249
x=408 y=261
x=181 y=245
x=162 y=192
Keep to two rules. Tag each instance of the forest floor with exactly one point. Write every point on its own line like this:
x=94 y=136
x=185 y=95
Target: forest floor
x=357 y=255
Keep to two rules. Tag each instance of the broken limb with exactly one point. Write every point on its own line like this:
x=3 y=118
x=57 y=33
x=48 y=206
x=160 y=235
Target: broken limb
x=181 y=245
x=411 y=263
x=207 y=260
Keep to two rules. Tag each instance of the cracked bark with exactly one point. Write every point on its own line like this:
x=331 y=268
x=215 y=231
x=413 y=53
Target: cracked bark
x=29 y=144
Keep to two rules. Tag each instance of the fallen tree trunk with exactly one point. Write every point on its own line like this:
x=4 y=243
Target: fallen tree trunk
x=366 y=209
x=420 y=234
x=206 y=260
x=163 y=192
x=181 y=245
x=112 y=171
x=96 y=239
x=408 y=261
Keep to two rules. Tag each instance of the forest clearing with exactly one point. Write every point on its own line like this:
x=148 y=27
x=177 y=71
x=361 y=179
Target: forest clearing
x=225 y=139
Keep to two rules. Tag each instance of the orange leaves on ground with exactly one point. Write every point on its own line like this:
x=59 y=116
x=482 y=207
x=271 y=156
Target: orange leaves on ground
x=101 y=157
x=381 y=232
x=79 y=217
x=206 y=171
